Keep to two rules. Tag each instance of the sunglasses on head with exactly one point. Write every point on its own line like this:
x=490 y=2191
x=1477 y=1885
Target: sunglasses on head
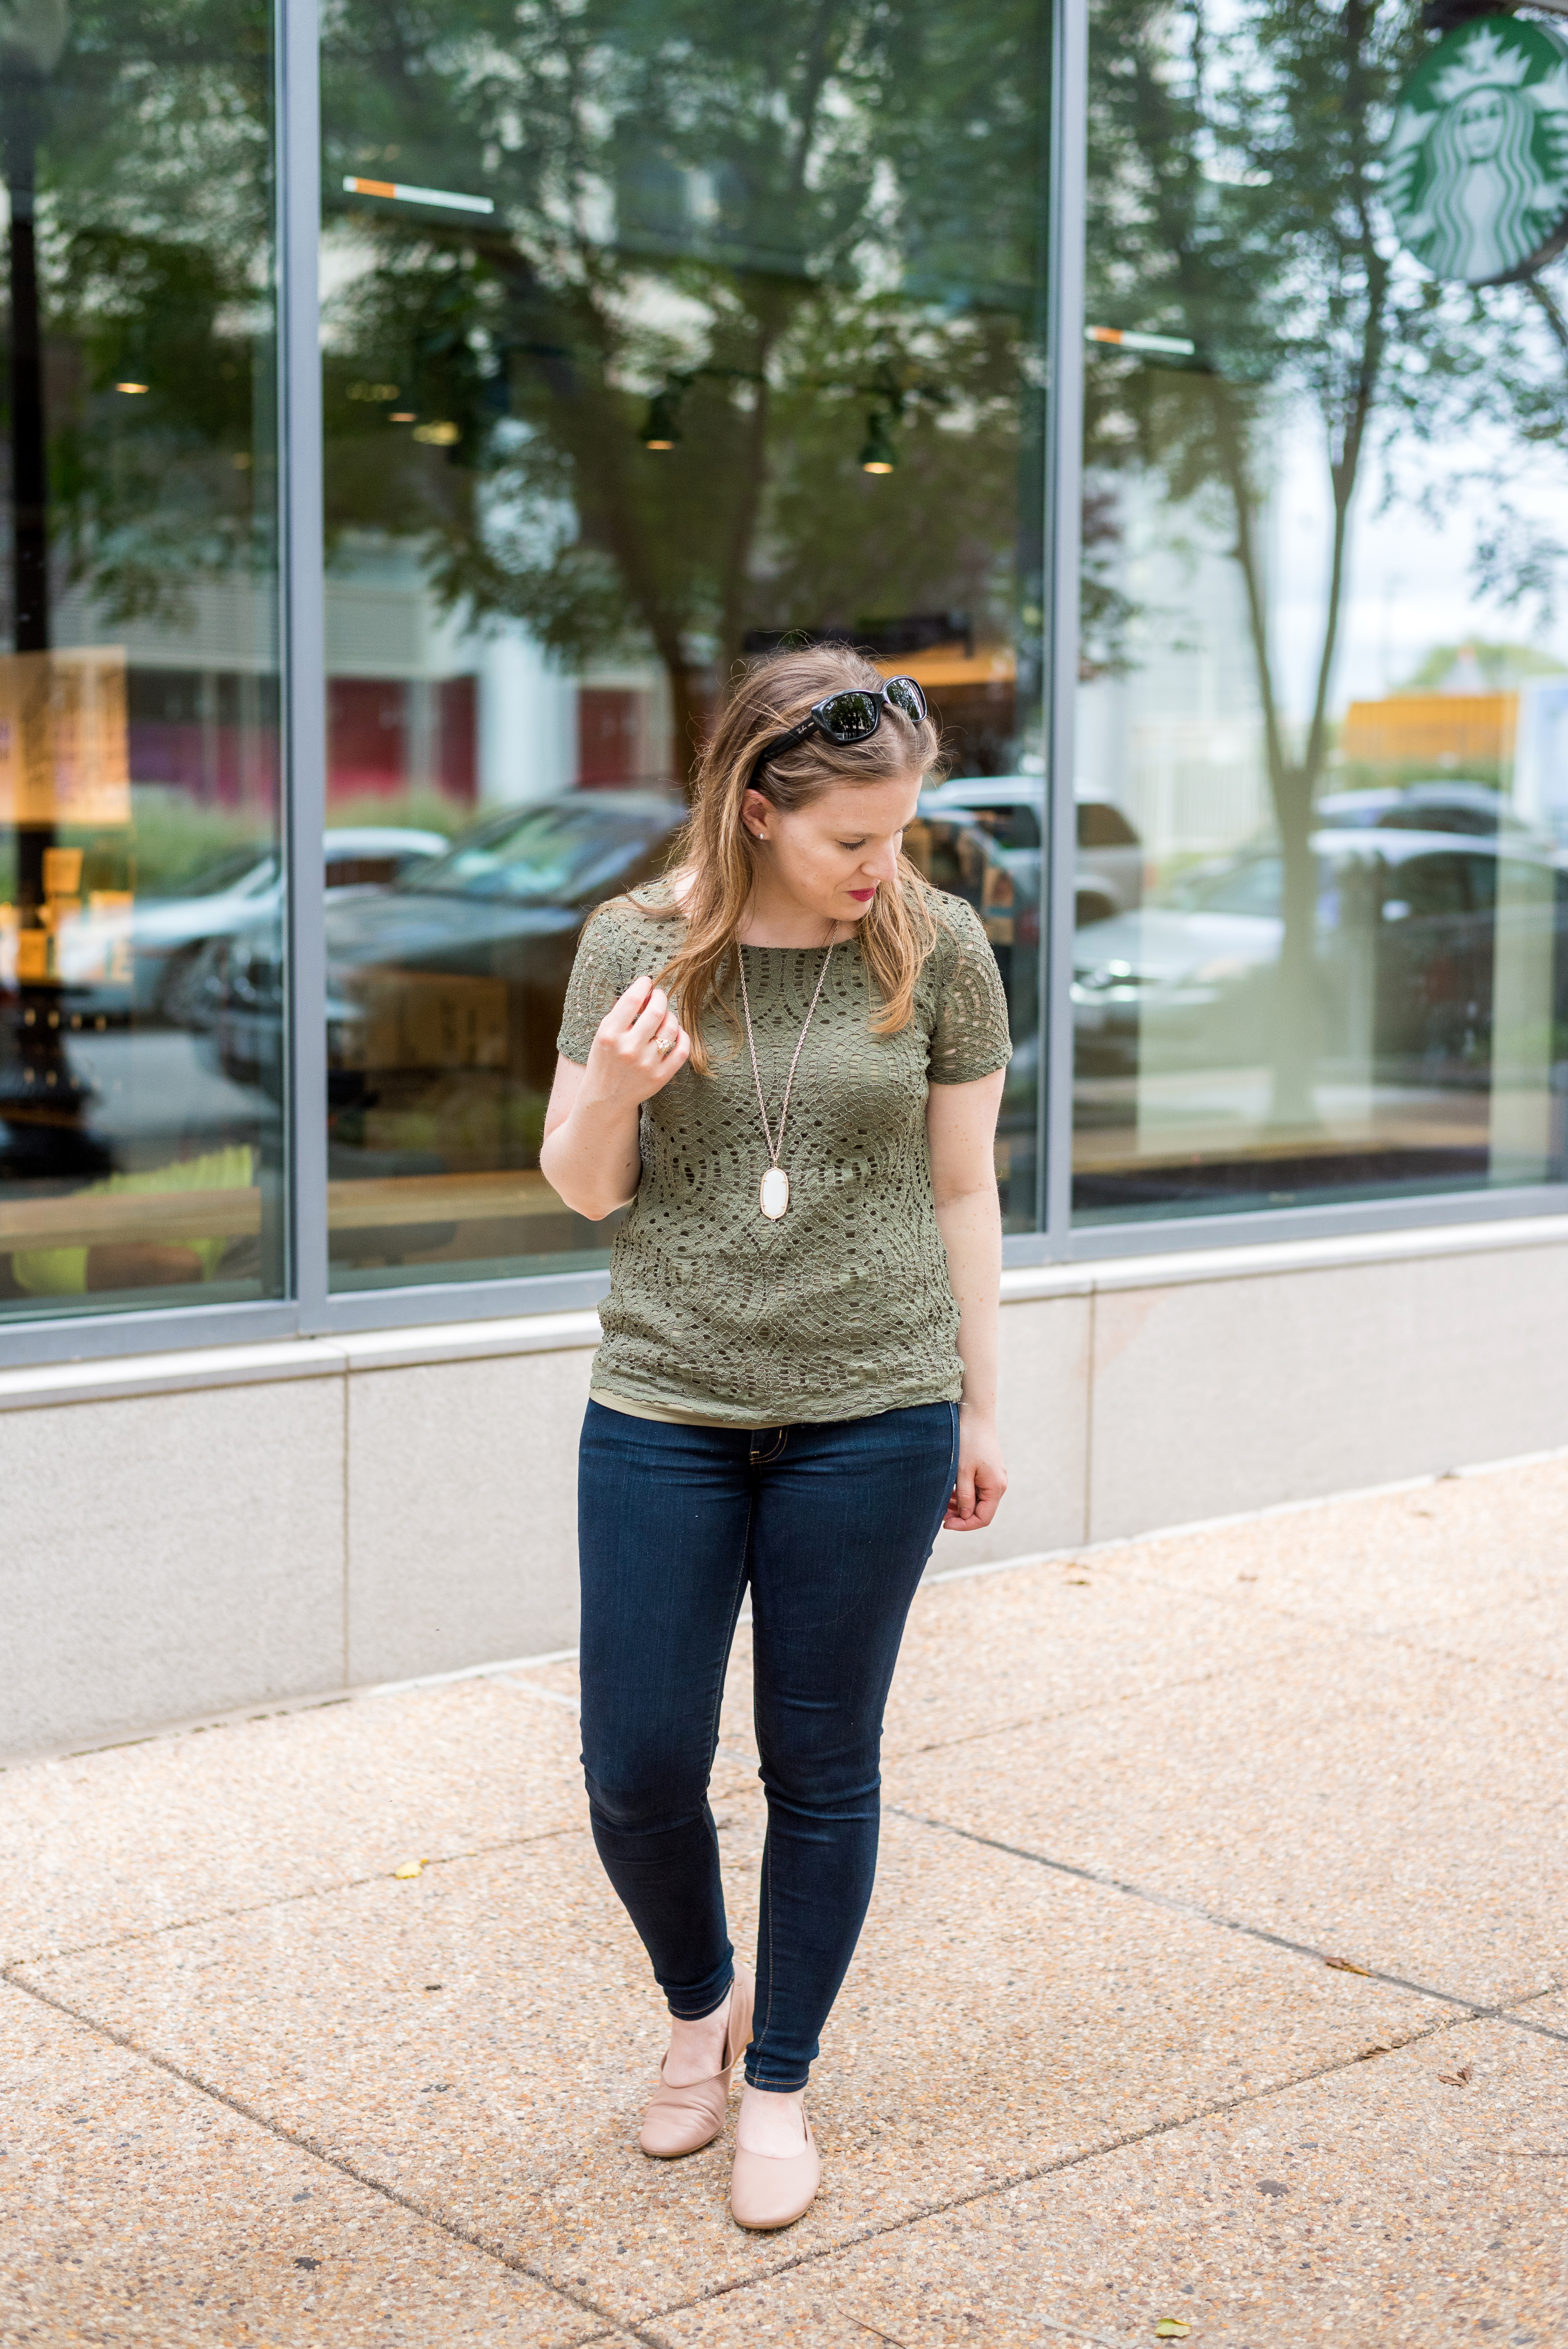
x=852 y=716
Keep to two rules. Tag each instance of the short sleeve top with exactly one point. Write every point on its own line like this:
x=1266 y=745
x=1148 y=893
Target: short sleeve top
x=843 y=1307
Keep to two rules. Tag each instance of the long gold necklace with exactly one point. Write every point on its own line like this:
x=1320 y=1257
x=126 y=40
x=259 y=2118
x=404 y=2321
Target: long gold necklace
x=774 y=1196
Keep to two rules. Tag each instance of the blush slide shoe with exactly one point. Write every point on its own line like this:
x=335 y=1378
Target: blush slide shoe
x=772 y=2189
x=683 y=2120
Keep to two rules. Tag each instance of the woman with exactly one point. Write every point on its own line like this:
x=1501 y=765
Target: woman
x=788 y=1059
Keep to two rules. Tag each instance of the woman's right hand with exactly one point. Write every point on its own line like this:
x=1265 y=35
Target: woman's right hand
x=638 y=1047
x=591 y=1152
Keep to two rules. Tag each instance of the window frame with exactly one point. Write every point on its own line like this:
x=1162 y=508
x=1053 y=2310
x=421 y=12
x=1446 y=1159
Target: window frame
x=309 y=1308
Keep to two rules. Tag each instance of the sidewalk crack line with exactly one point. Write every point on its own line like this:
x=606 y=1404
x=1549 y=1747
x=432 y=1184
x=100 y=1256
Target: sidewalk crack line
x=1480 y=2010
x=640 y=2328
x=1215 y=2109
x=578 y=2299
x=1409 y=1638
x=200 y=1919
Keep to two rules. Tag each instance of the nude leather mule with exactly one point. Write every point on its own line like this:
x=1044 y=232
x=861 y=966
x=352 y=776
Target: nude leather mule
x=683 y=2120
x=774 y=2189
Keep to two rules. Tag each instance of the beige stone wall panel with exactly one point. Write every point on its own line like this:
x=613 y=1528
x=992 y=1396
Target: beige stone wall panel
x=168 y=1553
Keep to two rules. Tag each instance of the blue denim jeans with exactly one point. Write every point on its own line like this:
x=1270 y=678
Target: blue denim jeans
x=831 y=1524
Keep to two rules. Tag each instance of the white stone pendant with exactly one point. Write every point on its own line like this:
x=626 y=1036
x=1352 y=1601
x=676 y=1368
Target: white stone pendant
x=775 y=1193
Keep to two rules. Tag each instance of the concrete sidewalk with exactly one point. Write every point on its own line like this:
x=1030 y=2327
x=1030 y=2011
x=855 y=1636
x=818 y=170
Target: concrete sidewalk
x=1216 y=1975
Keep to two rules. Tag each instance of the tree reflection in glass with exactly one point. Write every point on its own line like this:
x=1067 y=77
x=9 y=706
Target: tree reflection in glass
x=611 y=432
x=137 y=694
x=1284 y=529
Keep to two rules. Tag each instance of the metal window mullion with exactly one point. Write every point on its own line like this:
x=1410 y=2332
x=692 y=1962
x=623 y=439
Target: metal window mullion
x=303 y=643
x=1064 y=499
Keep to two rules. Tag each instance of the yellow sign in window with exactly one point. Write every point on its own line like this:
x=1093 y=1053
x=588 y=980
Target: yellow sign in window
x=64 y=745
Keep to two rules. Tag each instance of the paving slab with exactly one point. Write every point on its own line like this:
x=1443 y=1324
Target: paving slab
x=1404 y=1809
x=135 y=1839
x=1001 y=1650
x=1043 y=1641
x=1473 y=1565
x=133 y=2209
x=996 y=2018
x=1379 y=2207
x=1004 y=1648
x=1341 y=1725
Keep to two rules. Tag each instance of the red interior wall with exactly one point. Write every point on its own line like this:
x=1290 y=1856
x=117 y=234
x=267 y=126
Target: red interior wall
x=367 y=736
x=608 y=732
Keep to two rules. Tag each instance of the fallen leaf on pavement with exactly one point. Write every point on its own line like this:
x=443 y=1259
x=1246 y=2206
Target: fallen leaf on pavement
x=1460 y=2079
x=1171 y=2328
x=1346 y=1966
x=410 y=1868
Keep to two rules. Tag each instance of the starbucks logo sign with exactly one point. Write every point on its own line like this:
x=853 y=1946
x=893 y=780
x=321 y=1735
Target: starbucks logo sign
x=1477 y=169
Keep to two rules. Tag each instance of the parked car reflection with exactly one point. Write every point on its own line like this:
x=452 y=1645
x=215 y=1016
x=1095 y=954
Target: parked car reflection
x=1110 y=866
x=995 y=865
x=1405 y=946
x=461 y=967
x=152 y=958
x=1475 y=809
x=444 y=990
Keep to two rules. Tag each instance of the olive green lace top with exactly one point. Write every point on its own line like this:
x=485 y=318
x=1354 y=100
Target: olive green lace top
x=844 y=1307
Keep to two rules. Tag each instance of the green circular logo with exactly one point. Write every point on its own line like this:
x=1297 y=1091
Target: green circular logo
x=1477 y=169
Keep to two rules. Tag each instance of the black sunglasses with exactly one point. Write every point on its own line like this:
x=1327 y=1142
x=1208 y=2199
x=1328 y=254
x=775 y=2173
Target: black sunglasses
x=852 y=716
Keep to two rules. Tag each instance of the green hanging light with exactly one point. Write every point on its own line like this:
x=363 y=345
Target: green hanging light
x=879 y=455
x=662 y=427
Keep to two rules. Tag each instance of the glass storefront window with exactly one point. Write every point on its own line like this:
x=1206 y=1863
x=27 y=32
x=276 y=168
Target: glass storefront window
x=1325 y=656
x=139 y=811
x=652 y=336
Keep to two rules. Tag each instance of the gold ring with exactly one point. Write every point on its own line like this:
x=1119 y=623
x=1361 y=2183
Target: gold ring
x=663 y=1044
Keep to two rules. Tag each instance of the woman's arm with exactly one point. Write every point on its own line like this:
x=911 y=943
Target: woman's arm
x=961 y=1130
x=590 y=1155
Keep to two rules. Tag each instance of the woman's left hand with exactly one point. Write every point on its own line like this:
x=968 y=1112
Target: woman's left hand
x=982 y=1479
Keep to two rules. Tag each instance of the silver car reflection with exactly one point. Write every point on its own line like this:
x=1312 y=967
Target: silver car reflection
x=1404 y=949
x=1108 y=868
x=154 y=957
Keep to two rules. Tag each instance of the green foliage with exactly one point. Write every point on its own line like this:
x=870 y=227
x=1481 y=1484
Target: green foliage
x=792 y=217
x=1502 y=666
x=417 y=811
x=784 y=220
x=152 y=142
x=1393 y=774
x=1235 y=200
x=173 y=839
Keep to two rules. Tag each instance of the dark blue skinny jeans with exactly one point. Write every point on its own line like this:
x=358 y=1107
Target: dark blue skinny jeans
x=831 y=1524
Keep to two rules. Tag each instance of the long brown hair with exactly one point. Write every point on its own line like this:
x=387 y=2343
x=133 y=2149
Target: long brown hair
x=716 y=849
